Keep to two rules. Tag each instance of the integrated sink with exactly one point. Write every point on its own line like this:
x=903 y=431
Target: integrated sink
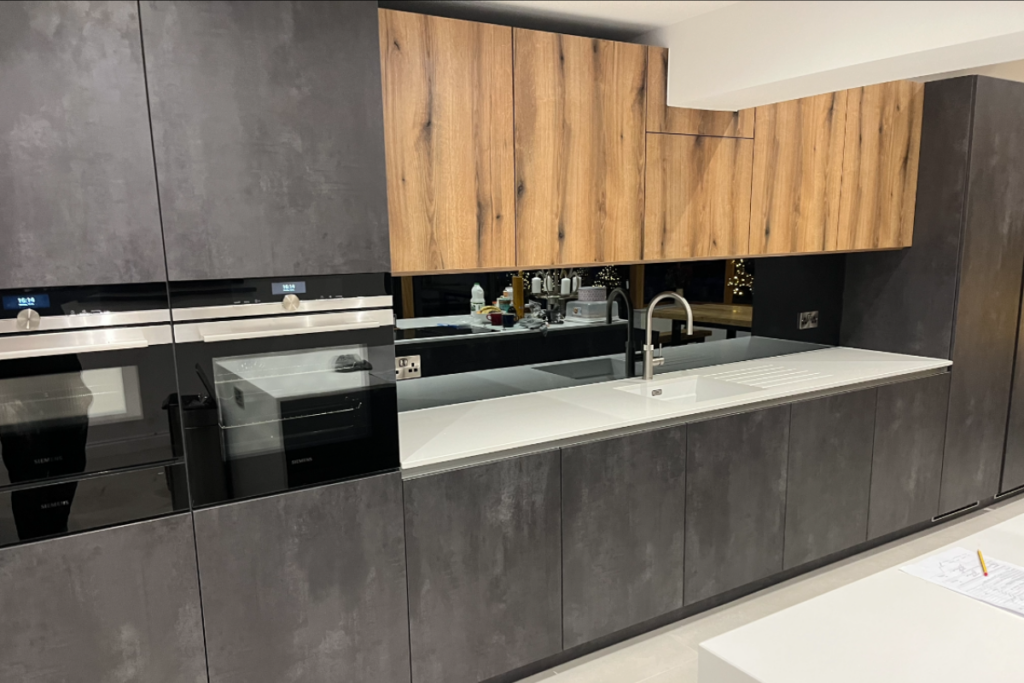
x=595 y=368
x=689 y=390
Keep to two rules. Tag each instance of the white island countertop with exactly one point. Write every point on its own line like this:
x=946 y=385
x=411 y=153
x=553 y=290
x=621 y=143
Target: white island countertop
x=450 y=436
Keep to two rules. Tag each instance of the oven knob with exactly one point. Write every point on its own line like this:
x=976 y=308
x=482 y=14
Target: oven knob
x=28 y=319
x=291 y=302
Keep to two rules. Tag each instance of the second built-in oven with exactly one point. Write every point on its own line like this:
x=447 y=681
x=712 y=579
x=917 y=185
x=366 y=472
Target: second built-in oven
x=284 y=383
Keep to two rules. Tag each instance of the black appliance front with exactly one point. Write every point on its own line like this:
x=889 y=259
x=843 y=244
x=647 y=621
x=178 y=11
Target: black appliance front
x=284 y=384
x=86 y=374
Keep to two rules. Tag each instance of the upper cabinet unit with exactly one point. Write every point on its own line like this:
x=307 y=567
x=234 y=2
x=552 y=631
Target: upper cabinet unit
x=579 y=149
x=268 y=129
x=798 y=166
x=662 y=118
x=76 y=163
x=448 y=132
x=879 y=186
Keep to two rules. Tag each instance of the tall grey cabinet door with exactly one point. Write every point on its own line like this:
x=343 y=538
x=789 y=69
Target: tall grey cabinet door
x=1013 y=459
x=829 y=475
x=622 y=532
x=77 y=190
x=485 y=568
x=121 y=604
x=735 y=501
x=985 y=335
x=269 y=134
x=307 y=585
x=910 y=428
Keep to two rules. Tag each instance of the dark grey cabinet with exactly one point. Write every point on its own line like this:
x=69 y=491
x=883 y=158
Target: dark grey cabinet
x=829 y=475
x=268 y=128
x=910 y=428
x=76 y=163
x=735 y=501
x=1013 y=460
x=121 y=604
x=307 y=586
x=485 y=574
x=622 y=532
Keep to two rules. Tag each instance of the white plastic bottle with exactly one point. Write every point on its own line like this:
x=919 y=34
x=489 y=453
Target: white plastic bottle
x=476 y=299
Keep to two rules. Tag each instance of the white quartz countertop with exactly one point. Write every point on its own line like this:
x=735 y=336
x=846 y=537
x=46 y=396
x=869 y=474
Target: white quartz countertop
x=440 y=435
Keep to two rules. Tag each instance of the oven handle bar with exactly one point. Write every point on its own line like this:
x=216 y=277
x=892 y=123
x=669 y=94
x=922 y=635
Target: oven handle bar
x=261 y=334
x=72 y=348
x=19 y=346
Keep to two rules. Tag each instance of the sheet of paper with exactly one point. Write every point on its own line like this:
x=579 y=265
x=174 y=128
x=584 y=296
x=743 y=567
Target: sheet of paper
x=959 y=570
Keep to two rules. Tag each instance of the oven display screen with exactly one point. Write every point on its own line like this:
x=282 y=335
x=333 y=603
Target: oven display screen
x=16 y=303
x=279 y=288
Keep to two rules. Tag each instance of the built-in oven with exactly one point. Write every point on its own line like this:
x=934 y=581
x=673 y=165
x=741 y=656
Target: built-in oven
x=284 y=383
x=86 y=375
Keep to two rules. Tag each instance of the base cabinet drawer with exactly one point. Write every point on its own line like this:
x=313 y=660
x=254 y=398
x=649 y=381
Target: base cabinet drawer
x=735 y=501
x=622 y=532
x=307 y=585
x=485 y=568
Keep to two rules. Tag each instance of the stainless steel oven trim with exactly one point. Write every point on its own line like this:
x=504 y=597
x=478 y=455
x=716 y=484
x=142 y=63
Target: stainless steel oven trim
x=277 y=308
x=282 y=326
x=83 y=341
x=55 y=323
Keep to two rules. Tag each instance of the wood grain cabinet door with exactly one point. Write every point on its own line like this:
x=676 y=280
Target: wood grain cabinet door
x=698 y=197
x=448 y=134
x=798 y=165
x=879 y=188
x=580 y=108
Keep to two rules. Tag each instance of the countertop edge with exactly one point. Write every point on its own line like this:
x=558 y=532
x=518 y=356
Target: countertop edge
x=458 y=463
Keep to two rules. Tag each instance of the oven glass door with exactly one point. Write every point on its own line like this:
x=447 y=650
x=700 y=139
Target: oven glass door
x=84 y=402
x=270 y=408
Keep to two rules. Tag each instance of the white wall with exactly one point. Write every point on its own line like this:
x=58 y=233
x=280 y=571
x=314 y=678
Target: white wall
x=753 y=53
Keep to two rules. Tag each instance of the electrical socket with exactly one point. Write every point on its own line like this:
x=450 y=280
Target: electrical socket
x=407 y=367
x=808 y=320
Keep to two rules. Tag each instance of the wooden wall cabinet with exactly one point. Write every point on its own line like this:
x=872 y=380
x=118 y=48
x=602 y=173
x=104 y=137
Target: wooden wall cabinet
x=662 y=118
x=448 y=135
x=880 y=159
x=798 y=166
x=698 y=197
x=579 y=138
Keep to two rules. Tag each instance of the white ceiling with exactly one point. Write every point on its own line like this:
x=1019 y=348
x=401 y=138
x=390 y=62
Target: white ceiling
x=641 y=15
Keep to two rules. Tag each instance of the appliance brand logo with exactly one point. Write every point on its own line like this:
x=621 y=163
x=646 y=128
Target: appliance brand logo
x=300 y=461
x=55 y=504
x=84 y=312
x=43 y=461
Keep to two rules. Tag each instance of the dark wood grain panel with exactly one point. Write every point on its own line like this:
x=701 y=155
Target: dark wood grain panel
x=698 y=197
x=798 y=164
x=579 y=139
x=448 y=136
x=662 y=118
x=880 y=162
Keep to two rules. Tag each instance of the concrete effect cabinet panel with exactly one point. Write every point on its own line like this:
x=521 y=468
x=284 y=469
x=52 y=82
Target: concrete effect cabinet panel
x=829 y=475
x=910 y=426
x=307 y=585
x=735 y=501
x=121 y=604
x=269 y=135
x=77 y=189
x=622 y=532
x=485 y=568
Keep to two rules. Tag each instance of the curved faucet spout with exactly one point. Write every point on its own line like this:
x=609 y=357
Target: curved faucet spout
x=649 y=360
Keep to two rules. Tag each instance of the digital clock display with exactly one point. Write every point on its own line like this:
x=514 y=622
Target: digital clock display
x=280 y=288
x=16 y=303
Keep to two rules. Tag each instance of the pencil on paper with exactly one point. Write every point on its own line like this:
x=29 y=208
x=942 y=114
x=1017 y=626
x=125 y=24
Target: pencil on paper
x=981 y=558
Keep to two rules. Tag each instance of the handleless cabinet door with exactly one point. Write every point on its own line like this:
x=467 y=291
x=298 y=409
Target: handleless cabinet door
x=579 y=136
x=622 y=532
x=448 y=132
x=307 y=586
x=485 y=570
x=910 y=427
x=77 y=189
x=735 y=501
x=880 y=161
x=798 y=166
x=121 y=604
x=829 y=475
x=269 y=136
